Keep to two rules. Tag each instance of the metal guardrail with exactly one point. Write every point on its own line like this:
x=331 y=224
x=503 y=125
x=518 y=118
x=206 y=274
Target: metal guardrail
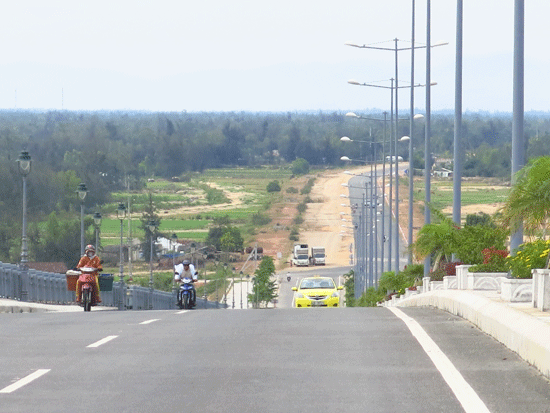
x=51 y=288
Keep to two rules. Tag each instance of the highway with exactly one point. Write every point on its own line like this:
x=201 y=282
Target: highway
x=267 y=360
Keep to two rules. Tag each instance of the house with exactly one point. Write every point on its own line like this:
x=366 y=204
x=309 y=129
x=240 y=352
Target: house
x=443 y=173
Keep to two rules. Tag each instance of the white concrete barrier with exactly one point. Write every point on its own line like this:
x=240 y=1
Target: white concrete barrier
x=541 y=289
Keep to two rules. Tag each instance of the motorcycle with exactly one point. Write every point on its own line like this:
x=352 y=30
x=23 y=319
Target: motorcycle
x=288 y=278
x=87 y=279
x=186 y=293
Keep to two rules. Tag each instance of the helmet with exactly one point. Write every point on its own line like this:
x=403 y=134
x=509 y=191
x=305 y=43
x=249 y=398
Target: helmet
x=89 y=247
x=186 y=262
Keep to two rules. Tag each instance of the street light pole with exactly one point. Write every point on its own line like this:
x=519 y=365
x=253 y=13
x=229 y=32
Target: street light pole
x=152 y=226
x=518 y=139
x=241 y=285
x=427 y=154
x=24 y=163
x=121 y=213
x=97 y=222
x=457 y=143
x=82 y=192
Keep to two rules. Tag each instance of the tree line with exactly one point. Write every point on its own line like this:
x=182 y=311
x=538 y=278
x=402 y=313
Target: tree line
x=106 y=150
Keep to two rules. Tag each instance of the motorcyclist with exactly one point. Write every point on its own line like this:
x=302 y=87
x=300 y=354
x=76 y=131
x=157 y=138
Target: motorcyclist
x=89 y=259
x=186 y=270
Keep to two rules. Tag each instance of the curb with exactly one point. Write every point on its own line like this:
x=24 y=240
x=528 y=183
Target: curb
x=526 y=335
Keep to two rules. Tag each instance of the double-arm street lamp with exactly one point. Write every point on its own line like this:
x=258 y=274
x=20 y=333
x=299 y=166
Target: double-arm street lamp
x=121 y=214
x=82 y=191
x=24 y=163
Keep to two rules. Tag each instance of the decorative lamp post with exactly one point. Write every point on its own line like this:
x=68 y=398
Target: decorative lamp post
x=152 y=226
x=82 y=191
x=241 y=285
x=121 y=214
x=233 y=278
x=224 y=282
x=97 y=222
x=24 y=163
x=174 y=240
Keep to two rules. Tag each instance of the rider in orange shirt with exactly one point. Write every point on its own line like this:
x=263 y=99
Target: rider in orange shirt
x=89 y=259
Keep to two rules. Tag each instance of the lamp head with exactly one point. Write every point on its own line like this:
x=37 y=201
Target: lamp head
x=24 y=162
x=121 y=211
x=82 y=191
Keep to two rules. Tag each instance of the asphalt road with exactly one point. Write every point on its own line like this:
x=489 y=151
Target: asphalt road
x=270 y=360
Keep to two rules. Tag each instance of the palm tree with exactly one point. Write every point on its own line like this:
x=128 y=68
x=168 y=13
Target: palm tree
x=438 y=239
x=529 y=200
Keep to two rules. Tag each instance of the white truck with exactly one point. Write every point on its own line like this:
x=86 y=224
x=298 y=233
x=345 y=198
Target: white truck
x=317 y=256
x=300 y=257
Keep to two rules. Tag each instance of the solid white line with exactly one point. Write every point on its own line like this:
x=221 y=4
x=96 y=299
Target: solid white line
x=467 y=397
x=181 y=312
x=102 y=341
x=25 y=380
x=150 y=321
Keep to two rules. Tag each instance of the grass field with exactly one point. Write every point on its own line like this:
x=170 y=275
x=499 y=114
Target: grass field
x=472 y=193
x=197 y=200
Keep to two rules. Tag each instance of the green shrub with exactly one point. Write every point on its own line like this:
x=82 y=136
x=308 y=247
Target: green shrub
x=260 y=219
x=392 y=282
x=294 y=233
x=300 y=167
x=273 y=186
x=301 y=207
x=528 y=256
x=370 y=298
x=292 y=190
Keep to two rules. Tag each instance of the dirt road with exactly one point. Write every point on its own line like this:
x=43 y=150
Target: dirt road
x=323 y=221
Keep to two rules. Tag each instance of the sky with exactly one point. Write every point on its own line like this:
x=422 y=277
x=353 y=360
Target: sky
x=261 y=56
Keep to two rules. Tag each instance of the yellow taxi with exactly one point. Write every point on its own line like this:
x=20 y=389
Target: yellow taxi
x=316 y=292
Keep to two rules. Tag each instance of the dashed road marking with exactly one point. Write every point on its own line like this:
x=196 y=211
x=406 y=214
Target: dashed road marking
x=467 y=397
x=150 y=321
x=181 y=312
x=102 y=341
x=24 y=381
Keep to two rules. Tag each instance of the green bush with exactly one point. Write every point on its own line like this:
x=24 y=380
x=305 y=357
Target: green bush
x=292 y=190
x=260 y=219
x=528 y=256
x=300 y=166
x=392 y=282
x=273 y=186
x=370 y=298
x=301 y=207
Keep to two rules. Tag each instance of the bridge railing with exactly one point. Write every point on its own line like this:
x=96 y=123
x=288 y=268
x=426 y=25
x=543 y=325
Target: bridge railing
x=51 y=288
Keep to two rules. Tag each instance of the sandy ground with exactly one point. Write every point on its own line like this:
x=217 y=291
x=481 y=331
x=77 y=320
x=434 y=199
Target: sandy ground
x=323 y=225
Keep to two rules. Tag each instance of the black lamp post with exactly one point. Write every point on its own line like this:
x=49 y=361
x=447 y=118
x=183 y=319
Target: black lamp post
x=152 y=226
x=121 y=214
x=24 y=162
x=97 y=222
x=82 y=191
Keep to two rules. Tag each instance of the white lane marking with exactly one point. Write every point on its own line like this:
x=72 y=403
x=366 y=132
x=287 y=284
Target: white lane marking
x=24 y=381
x=102 y=341
x=181 y=312
x=150 y=321
x=467 y=397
